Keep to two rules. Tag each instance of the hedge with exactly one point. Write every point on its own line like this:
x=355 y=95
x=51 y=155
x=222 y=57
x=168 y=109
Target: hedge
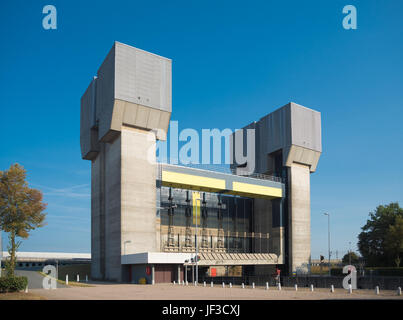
x=12 y=284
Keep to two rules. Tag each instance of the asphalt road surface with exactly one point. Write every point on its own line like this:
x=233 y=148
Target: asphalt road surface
x=35 y=279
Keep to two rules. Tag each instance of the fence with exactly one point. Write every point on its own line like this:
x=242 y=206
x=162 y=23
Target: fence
x=384 y=283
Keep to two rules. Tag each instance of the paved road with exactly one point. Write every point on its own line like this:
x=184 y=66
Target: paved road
x=171 y=292
x=35 y=279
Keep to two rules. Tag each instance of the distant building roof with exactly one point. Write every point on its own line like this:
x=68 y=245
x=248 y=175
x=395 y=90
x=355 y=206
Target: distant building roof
x=49 y=256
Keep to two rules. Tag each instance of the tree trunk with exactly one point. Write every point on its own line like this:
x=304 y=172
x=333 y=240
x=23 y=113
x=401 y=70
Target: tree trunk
x=12 y=250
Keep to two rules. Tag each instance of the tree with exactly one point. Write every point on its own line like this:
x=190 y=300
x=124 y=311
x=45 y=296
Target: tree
x=372 y=241
x=354 y=258
x=21 y=209
x=394 y=240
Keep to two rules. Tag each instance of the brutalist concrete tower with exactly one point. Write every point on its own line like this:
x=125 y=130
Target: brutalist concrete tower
x=287 y=144
x=128 y=99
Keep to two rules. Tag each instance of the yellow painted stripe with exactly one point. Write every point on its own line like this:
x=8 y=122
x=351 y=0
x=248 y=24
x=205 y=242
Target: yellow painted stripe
x=256 y=189
x=196 y=204
x=192 y=180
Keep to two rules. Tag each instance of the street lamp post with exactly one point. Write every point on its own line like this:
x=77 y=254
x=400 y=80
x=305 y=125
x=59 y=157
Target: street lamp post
x=124 y=246
x=349 y=253
x=328 y=236
x=197 y=247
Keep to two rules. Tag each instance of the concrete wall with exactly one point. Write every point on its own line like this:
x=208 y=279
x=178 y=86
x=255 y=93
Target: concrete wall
x=123 y=202
x=138 y=192
x=113 y=209
x=299 y=218
x=105 y=212
x=97 y=216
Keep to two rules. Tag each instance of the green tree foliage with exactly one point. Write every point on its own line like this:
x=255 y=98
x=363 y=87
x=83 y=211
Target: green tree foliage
x=354 y=258
x=380 y=237
x=394 y=240
x=21 y=210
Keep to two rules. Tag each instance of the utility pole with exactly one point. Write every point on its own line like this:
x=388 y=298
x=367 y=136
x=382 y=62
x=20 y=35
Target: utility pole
x=349 y=253
x=197 y=248
x=328 y=235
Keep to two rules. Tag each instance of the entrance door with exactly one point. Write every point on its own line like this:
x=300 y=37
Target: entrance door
x=164 y=273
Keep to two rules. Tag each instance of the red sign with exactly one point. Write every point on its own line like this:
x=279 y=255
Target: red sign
x=148 y=270
x=213 y=272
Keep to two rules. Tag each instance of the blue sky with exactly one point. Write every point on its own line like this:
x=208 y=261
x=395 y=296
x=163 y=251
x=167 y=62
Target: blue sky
x=234 y=61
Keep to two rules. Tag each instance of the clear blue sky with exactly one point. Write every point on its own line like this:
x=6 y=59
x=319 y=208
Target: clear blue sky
x=234 y=61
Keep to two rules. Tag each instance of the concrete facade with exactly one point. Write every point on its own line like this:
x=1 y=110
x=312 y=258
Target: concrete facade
x=287 y=143
x=143 y=214
x=125 y=109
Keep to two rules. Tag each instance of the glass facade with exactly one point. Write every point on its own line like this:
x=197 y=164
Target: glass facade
x=225 y=222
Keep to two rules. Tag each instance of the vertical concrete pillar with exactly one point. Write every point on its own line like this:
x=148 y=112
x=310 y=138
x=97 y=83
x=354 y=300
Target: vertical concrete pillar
x=299 y=218
x=152 y=274
x=186 y=273
x=179 y=274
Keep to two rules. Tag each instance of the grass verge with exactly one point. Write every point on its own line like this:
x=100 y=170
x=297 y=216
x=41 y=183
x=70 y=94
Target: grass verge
x=71 y=283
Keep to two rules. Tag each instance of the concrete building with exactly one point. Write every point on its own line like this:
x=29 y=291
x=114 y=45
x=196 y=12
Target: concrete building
x=149 y=219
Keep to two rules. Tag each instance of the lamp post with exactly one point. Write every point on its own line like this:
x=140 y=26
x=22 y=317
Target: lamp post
x=197 y=247
x=349 y=253
x=124 y=246
x=328 y=235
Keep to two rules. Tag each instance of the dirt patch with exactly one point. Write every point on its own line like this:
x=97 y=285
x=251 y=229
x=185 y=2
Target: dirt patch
x=20 y=296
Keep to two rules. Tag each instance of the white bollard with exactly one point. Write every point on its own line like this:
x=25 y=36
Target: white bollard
x=195 y=284
x=350 y=289
x=279 y=286
x=399 y=291
x=26 y=289
x=78 y=278
x=311 y=287
x=253 y=285
x=296 y=287
x=243 y=285
x=223 y=285
x=211 y=284
x=187 y=283
x=67 y=279
x=267 y=286
x=183 y=282
x=377 y=290
x=174 y=282
x=86 y=278
x=332 y=288
x=230 y=285
x=204 y=283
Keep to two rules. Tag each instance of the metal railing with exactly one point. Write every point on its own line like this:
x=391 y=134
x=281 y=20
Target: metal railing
x=226 y=170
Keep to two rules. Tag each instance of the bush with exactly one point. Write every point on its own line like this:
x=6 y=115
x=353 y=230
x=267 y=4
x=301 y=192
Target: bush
x=336 y=272
x=12 y=284
x=385 y=271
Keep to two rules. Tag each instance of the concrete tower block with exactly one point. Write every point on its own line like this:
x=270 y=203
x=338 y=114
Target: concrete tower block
x=125 y=109
x=132 y=88
x=288 y=144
